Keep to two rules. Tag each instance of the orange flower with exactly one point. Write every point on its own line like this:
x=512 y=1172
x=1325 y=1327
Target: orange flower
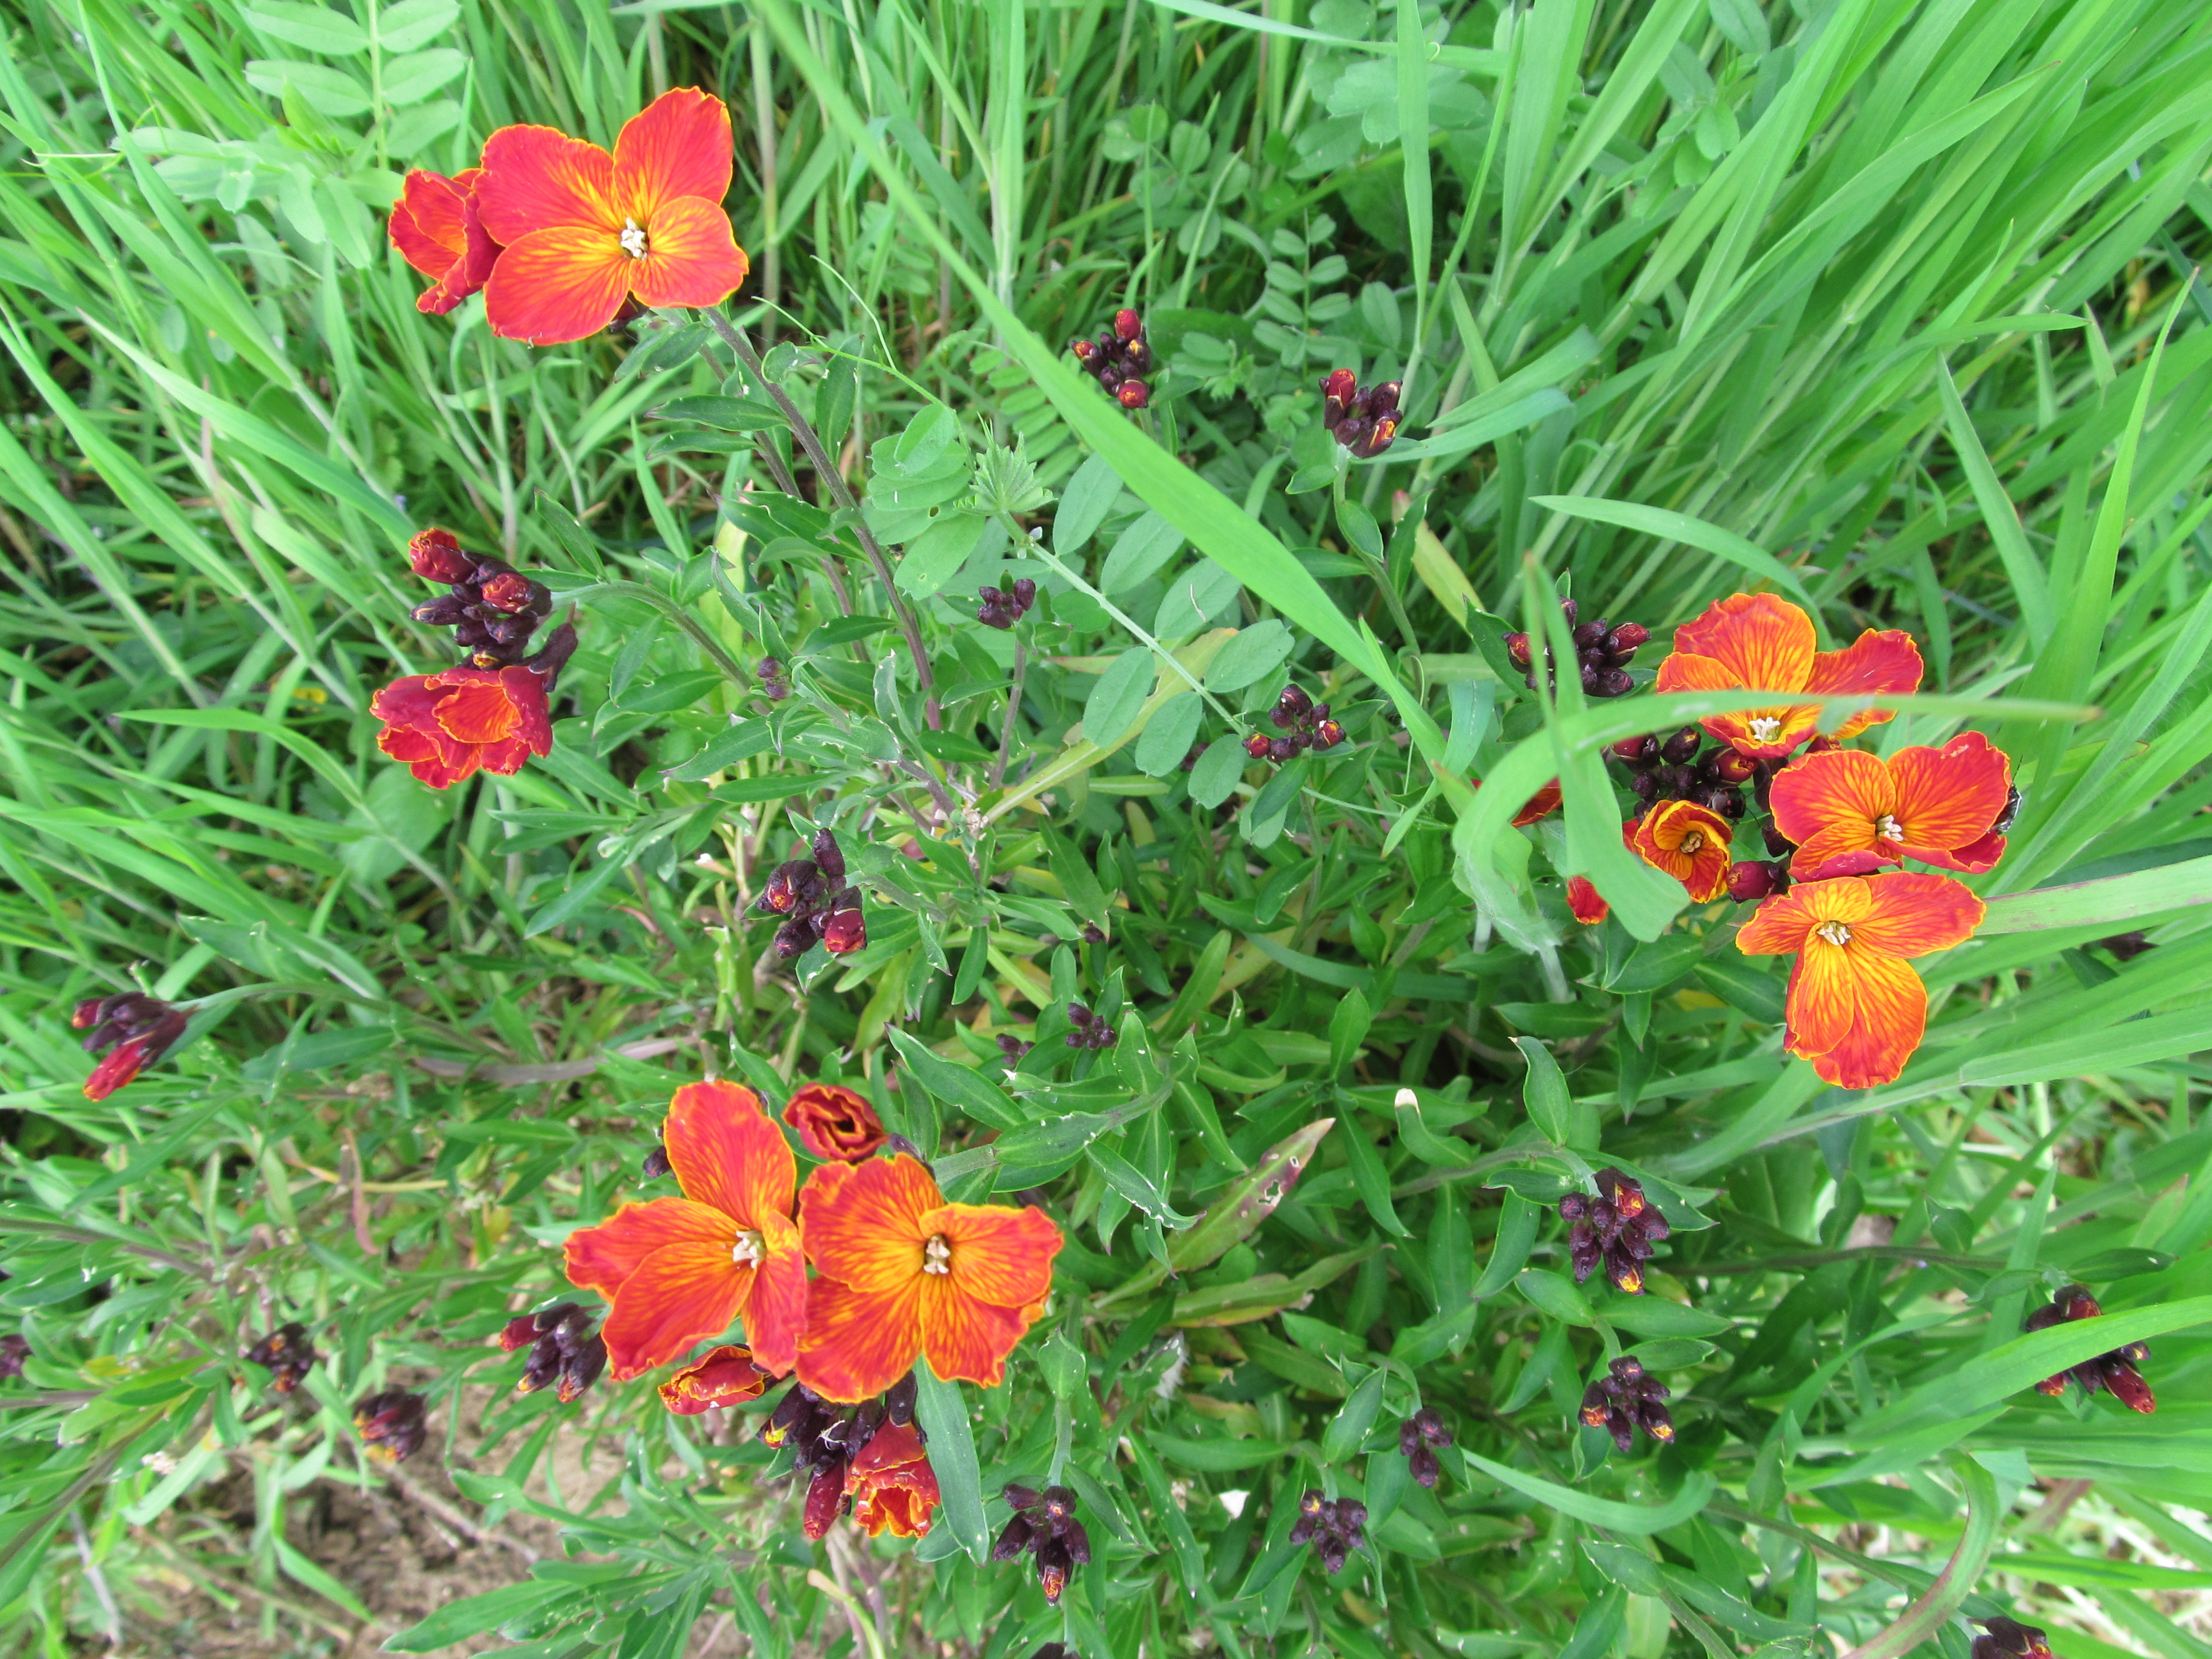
x=1587 y=903
x=892 y=1485
x=1688 y=841
x=1850 y=812
x=903 y=1272
x=585 y=230
x=833 y=1123
x=435 y=227
x=1757 y=642
x=720 y=1376
x=445 y=725
x=1854 y=1009
x=1546 y=799
x=679 y=1269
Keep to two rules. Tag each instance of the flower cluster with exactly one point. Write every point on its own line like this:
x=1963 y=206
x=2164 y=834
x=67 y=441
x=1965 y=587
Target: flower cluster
x=565 y=239
x=835 y=1123
x=812 y=896
x=288 y=1353
x=1090 y=1030
x=867 y=1457
x=135 y=1030
x=1004 y=607
x=391 y=1424
x=564 y=1349
x=1617 y=1228
x=1626 y=1399
x=1334 y=1528
x=1118 y=360
x=2009 y=1640
x=1672 y=770
x=1044 y=1526
x=1602 y=654
x=1013 y=1048
x=1364 y=422
x=494 y=710
x=1420 y=1436
x=2119 y=1370
x=773 y=684
x=1304 y=723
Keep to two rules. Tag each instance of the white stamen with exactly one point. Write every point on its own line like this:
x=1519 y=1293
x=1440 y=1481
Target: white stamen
x=1888 y=828
x=1694 y=843
x=747 y=1251
x=1765 y=728
x=1835 y=931
x=633 y=240
x=937 y=1256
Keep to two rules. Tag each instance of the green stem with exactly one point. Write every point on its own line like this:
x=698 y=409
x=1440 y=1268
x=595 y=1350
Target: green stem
x=1933 y=1609
x=1377 y=572
x=1036 y=550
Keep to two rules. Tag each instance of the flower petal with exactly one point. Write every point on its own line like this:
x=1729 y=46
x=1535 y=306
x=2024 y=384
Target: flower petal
x=692 y=256
x=1587 y=904
x=967 y=1341
x=678 y=145
x=1949 y=797
x=1689 y=842
x=557 y=284
x=1886 y=661
x=1821 y=1001
x=1910 y=914
x=1843 y=848
x=602 y=1258
x=1765 y=642
x=1546 y=799
x=1889 y=1015
x=1778 y=926
x=775 y=1313
x=1688 y=671
x=468 y=273
x=727 y=1153
x=866 y=1230
x=535 y=178
x=1978 y=857
x=476 y=707
x=1000 y=1253
x=858 y=1343
x=720 y=1376
x=426 y=224
x=676 y=1296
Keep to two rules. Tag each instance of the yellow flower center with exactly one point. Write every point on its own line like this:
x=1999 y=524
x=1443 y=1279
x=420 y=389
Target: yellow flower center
x=633 y=240
x=1888 y=828
x=1835 y=931
x=1765 y=728
x=1694 y=843
x=937 y=1255
x=747 y=1251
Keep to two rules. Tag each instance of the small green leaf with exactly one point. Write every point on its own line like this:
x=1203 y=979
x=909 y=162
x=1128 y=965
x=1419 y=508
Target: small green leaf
x=1119 y=695
x=1354 y=1418
x=1170 y=733
x=942 y=1410
x=1544 y=1092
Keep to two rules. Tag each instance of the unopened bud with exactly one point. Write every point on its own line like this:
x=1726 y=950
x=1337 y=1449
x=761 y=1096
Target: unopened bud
x=436 y=555
x=1132 y=394
x=1681 y=747
x=1755 y=881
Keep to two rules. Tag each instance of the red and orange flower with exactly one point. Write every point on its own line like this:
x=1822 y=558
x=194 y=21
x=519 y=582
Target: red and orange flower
x=1855 y=1008
x=436 y=228
x=1850 y=812
x=449 y=725
x=1757 y=642
x=583 y=231
x=891 y=1484
x=1586 y=904
x=721 y=1376
x=680 y=1269
x=1689 y=843
x=835 y=1123
x=903 y=1273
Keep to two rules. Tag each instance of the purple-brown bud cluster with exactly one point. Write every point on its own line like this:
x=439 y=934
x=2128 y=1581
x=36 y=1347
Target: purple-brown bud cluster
x=1303 y=723
x=773 y=684
x=564 y=1349
x=1618 y=1228
x=1334 y=1528
x=1419 y=1437
x=1013 y=1048
x=825 y=1436
x=391 y=1424
x=138 y=1028
x=14 y=1351
x=1090 y=1031
x=1004 y=607
x=812 y=896
x=1603 y=651
x=2008 y=1639
x=1627 y=1399
x=1119 y=359
x=2119 y=1370
x=1044 y=1526
x=1364 y=422
x=288 y=1354
x=492 y=608
x=1668 y=768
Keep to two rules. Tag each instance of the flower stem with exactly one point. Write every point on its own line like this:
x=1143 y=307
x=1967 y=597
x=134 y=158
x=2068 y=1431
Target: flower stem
x=1013 y=714
x=811 y=442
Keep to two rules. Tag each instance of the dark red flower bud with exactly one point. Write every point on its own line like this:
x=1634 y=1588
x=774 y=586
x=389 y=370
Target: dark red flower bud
x=829 y=857
x=1588 y=634
x=436 y=555
x=786 y=886
x=511 y=591
x=1517 y=651
x=1128 y=326
x=444 y=611
x=794 y=938
x=1132 y=394
x=1257 y=746
x=1281 y=750
x=1337 y=392
x=1729 y=767
x=656 y=1164
x=1015 y=1539
x=1681 y=747
x=14 y=1351
x=1086 y=351
x=1610 y=682
x=1777 y=844
x=391 y=1424
x=1327 y=734
x=1749 y=881
x=846 y=929
x=1623 y=642
x=825 y=1498
x=1636 y=751
x=517 y=1333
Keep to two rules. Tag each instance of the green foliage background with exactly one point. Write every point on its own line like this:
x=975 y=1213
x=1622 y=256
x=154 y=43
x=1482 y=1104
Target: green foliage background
x=1858 y=300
